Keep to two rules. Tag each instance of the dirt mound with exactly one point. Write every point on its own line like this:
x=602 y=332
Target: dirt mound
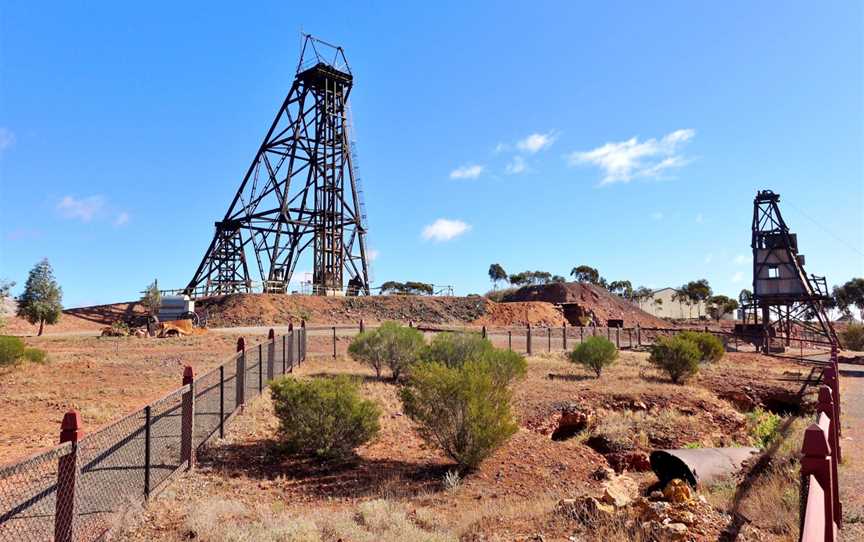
x=587 y=302
x=536 y=313
x=269 y=309
x=266 y=309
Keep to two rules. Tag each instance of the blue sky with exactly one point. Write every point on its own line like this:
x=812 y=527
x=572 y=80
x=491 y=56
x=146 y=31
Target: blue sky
x=628 y=136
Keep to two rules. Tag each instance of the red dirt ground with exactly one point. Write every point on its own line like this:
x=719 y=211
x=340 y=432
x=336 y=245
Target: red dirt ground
x=511 y=497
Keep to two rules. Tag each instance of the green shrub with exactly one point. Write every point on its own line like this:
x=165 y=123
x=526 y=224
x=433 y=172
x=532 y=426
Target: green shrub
x=853 y=337
x=454 y=349
x=34 y=355
x=710 y=347
x=595 y=353
x=11 y=350
x=326 y=417
x=463 y=410
x=368 y=348
x=398 y=347
x=677 y=356
x=459 y=396
x=762 y=426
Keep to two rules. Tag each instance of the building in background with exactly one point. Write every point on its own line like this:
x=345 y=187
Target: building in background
x=664 y=303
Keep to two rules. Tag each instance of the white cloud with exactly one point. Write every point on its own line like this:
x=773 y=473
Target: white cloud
x=625 y=160
x=740 y=259
x=467 y=172
x=657 y=215
x=372 y=254
x=121 y=219
x=537 y=142
x=83 y=209
x=738 y=276
x=7 y=138
x=501 y=147
x=516 y=166
x=445 y=229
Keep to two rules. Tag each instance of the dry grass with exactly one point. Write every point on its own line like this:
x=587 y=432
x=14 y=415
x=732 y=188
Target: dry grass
x=491 y=516
x=768 y=496
x=628 y=430
x=371 y=521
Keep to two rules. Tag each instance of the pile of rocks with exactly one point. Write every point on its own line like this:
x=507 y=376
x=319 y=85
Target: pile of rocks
x=674 y=514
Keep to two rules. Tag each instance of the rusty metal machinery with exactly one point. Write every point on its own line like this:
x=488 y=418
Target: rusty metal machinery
x=787 y=303
x=301 y=191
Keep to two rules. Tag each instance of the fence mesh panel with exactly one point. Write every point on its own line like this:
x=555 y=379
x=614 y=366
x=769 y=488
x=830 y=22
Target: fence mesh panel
x=165 y=430
x=254 y=368
x=207 y=407
x=28 y=495
x=111 y=474
x=230 y=368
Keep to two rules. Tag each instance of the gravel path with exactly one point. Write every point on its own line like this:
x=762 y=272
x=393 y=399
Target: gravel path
x=852 y=444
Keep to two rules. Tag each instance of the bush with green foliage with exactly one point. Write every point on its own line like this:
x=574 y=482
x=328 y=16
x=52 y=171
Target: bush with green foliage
x=710 y=347
x=392 y=345
x=152 y=299
x=459 y=396
x=325 y=417
x=677 y=355
x=595 y=353
x=11 y=350
x=368 y=348
x=454 y=349
x=853 y=337
x=762 y=426
x=34 y=355
x=460 y=409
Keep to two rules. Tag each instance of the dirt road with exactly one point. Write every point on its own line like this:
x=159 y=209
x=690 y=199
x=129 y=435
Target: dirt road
x=852 y=444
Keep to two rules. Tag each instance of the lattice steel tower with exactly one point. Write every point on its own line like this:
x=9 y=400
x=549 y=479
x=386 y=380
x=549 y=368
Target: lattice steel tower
x=301 y=190
x=784 y=296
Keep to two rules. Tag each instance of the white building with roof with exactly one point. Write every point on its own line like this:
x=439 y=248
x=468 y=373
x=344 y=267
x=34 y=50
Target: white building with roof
x=664 y=303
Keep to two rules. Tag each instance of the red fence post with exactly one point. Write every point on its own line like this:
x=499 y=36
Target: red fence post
x=529 y=339
x=67 y=474
x=362 y=327
x=829 y=378
x=816 y=462
x=187 y=452
x=240 y=373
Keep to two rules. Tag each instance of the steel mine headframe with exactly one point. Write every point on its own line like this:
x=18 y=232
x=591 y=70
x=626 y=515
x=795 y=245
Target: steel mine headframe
x=301 y=191
x=784 y=296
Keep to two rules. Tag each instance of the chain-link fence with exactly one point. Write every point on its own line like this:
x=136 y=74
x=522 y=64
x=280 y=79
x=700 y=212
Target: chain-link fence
x=76 y=491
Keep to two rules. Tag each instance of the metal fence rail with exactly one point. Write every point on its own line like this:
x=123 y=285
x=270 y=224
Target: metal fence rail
x=75 y=491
